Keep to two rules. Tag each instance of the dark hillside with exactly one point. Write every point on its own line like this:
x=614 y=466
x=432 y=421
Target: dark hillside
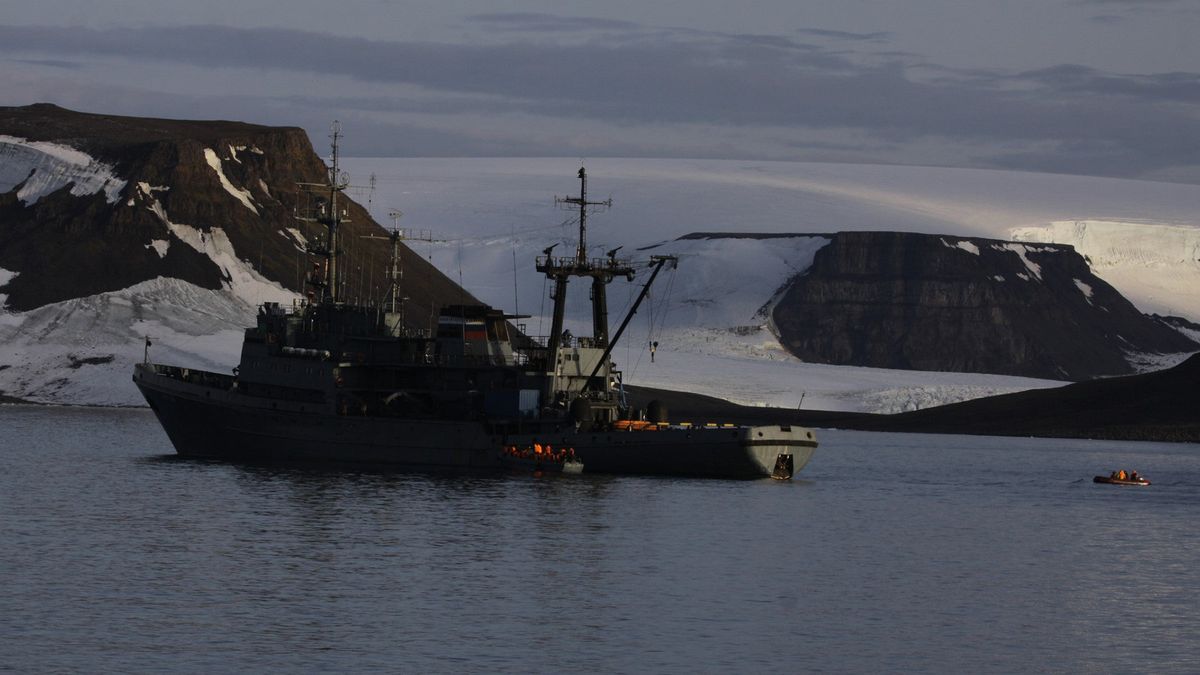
x=66 y=246
x=1158 y=406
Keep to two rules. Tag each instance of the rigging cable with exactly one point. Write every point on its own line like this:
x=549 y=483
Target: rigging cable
x=664 y=309
x=542 y=310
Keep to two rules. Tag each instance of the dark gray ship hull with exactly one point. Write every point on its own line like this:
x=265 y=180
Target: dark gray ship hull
x=205 y=419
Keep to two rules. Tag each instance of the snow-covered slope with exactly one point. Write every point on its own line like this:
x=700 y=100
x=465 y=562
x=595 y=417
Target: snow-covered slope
x=1156 y=265
x=81 y=351
x=44 y=167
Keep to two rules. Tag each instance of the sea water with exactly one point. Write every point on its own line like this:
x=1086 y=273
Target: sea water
x=897 y=553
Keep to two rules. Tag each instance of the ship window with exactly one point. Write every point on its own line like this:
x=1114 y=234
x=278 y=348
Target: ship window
x=475 y=330
x=501 y=330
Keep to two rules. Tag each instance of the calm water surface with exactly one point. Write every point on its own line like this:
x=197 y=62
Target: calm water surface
x=895 y=553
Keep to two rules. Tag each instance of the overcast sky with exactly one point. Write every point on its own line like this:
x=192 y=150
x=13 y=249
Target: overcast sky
x=1099 y=87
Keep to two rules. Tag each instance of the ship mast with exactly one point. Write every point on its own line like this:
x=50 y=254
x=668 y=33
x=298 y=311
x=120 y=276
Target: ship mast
x=333 y=221
x=395 y=271
x=583 y=203
x=331 y=217
x=600 y=270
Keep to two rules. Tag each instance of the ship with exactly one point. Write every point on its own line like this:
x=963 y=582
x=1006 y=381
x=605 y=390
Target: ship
x=329 y=381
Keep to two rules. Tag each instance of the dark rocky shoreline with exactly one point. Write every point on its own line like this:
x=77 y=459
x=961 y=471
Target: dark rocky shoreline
x=1158 y=406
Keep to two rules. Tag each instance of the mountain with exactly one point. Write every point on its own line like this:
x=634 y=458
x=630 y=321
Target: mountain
x=97 y=203
x=931 y=302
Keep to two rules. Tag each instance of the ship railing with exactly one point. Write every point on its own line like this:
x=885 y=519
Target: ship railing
x=191 y=376
x=479 y=360
x=539 y=340
x=567 y=340
x=572 y=265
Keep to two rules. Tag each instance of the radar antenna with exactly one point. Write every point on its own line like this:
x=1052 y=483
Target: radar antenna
x=396 y=266
x=582 y=202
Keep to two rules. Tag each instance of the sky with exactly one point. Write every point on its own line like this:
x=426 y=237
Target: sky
x=1092 y=87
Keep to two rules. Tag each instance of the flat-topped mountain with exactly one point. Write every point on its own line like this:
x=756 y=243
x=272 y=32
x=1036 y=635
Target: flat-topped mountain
x=948 y=303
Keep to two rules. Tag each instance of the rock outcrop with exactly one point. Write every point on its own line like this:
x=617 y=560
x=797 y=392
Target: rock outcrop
x=947 y=303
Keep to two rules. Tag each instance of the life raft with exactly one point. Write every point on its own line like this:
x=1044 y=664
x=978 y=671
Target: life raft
x=634 y=425
x=1119 y=481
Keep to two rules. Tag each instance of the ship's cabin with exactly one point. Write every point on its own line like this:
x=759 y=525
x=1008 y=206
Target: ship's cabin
x=475 y=333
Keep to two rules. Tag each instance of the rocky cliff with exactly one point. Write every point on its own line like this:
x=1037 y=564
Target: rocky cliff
x=928 y=302
x=95 y=203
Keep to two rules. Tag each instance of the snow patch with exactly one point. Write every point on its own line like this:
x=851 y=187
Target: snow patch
x=1085 y=289
x=5 y=277
x=964 y=245
x=1022 y=250
x=42 y=168
x=241 y=195
x=242 y=279
x=160 y=246
x=295 y=236
x=149 y=190
x=1146 y=362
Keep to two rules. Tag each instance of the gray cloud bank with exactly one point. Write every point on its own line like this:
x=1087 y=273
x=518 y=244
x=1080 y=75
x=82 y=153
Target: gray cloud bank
x=615 y=88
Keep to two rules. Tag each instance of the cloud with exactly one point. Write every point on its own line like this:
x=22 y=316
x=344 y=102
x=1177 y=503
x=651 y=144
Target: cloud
x=881 y=36
x=550 y=23
x=623 y=91
x=52 y=63
x=1128 y=3
x=1181 y=87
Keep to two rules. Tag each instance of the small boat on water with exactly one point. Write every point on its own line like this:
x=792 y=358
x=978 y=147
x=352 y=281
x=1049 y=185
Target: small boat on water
x=541 y=459
x=1120 y=481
